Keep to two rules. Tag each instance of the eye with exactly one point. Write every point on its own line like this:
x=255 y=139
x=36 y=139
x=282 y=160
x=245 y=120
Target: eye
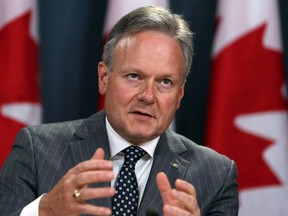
x=133 y=76
x=166 y=83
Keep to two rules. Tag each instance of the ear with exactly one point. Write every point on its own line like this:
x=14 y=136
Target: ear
x=181 y=94
x=103 y=74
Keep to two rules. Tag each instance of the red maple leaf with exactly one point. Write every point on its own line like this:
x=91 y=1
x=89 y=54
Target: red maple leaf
x=19 y=75
x=247 y=78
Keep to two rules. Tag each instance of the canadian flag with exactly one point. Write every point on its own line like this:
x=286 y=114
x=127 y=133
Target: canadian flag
x=116 y=10
x=247 y=118
x=19 y=81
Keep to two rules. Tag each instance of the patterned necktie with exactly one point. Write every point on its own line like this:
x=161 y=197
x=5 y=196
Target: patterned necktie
x=125 y=201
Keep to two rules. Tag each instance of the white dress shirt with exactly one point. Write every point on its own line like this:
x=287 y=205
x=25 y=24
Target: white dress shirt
x=116 y=144
x=143 y=166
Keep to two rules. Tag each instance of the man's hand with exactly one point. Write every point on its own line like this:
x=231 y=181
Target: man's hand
x=60 y=201
x=179 y=201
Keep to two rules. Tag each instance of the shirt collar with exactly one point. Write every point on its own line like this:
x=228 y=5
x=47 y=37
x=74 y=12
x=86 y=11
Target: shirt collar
x=117 y=143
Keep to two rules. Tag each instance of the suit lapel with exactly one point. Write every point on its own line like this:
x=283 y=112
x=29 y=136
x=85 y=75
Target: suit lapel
x=88 y=137
x=92 y=134
x=167 y=160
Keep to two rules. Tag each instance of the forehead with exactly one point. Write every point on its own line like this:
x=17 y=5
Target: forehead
x=146 y=38
x=150 y=48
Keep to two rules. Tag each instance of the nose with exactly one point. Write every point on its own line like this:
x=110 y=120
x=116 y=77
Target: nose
x=147 y=93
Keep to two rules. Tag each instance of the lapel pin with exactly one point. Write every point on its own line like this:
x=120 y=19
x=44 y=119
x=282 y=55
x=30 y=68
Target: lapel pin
x=175 y=165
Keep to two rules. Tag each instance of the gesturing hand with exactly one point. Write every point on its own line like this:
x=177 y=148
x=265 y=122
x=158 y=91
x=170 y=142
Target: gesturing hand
x=60 y=201
x=179 y=201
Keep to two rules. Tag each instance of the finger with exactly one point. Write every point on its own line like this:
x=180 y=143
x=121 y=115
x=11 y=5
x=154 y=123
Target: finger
x=185 y=187
x=164 y=188
x=185 y=201
x=95 y=193
x=186 y=195
x=170 y=210
x=89 y=209
x=91 y=165
x=90 y=177
x=99 y=154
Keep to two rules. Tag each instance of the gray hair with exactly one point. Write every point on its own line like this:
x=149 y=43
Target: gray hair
x=153 y=18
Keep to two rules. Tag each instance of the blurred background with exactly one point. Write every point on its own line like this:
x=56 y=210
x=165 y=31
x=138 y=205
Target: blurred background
x=71 y=36
x=235 y=95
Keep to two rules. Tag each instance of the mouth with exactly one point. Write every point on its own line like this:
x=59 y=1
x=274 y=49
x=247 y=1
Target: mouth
x=143 y=114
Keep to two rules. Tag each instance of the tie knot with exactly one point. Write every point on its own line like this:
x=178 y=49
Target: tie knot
x=133 y=153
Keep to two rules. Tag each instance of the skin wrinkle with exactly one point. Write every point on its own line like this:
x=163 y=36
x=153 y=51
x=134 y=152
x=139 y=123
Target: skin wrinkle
x=147 y=93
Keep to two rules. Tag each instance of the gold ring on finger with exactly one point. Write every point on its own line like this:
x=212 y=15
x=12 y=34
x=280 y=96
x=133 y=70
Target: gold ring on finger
x=76 y=195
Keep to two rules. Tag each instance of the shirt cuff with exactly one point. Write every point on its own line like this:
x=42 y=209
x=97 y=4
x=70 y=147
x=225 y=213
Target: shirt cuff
x=32 y=208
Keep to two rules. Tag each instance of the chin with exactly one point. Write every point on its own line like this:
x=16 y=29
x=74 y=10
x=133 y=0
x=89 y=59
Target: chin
x=138 y=137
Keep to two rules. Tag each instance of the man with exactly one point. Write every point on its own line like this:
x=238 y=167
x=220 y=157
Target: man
x=71 y=168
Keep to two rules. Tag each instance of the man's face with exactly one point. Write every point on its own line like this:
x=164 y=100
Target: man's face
x=145 y=87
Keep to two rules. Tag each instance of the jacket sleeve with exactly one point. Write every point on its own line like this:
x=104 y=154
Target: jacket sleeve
x=18 y=176
x=226 y=201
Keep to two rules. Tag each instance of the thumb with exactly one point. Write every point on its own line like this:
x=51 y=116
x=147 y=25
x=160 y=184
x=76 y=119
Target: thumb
x=99 y=154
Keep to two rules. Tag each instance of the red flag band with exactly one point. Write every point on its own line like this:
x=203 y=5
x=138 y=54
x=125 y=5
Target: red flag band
x=247 y=117
x=19 y=81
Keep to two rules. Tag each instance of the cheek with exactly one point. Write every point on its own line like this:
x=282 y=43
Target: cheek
x=120 y=92
x=168 y=104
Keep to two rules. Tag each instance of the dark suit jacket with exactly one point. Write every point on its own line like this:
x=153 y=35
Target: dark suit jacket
x=42 y=154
